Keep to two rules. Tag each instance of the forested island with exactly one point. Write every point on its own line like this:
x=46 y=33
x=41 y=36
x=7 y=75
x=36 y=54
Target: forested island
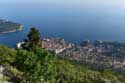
x=34 y=62
x=9 y=26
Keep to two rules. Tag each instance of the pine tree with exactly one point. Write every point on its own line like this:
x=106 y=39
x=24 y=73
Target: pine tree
x=33 y=40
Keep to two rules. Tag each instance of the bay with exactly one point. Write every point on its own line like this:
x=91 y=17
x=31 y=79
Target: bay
x=69 y=19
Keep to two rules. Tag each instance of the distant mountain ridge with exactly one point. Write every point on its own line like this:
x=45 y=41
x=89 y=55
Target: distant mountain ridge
x=9 y=26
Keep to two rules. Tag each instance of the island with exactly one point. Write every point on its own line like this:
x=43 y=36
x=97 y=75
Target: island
x=9 y=26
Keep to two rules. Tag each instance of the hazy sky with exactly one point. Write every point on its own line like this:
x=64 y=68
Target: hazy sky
x=102 y=2
x=80 y=3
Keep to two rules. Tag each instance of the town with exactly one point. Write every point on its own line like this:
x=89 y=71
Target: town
x=101 y=54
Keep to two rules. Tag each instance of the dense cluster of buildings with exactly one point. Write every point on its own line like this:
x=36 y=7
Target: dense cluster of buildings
x=56 y=45
x=99 y=53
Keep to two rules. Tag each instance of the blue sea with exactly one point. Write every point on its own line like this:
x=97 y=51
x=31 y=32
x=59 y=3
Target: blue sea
x=73 y=20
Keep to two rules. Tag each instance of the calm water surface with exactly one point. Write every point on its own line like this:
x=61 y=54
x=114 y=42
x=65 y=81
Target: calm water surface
x=75 y=21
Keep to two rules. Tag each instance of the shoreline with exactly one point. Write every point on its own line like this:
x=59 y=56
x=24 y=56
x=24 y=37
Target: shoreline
x=12 y=31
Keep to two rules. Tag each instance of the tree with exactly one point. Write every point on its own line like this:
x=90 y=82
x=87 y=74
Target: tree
x=7 y=55
x=36 y=68
x=28 y=63
x=33 y=40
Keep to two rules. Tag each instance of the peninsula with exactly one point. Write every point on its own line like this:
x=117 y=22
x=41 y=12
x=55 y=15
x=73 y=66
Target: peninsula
x=9 y=26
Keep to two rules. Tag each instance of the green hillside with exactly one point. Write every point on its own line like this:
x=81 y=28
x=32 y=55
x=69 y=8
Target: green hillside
x=35 y=65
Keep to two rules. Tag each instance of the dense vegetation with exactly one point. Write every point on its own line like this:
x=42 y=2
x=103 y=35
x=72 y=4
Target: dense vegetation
x=8 y=26
x=32 y=64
